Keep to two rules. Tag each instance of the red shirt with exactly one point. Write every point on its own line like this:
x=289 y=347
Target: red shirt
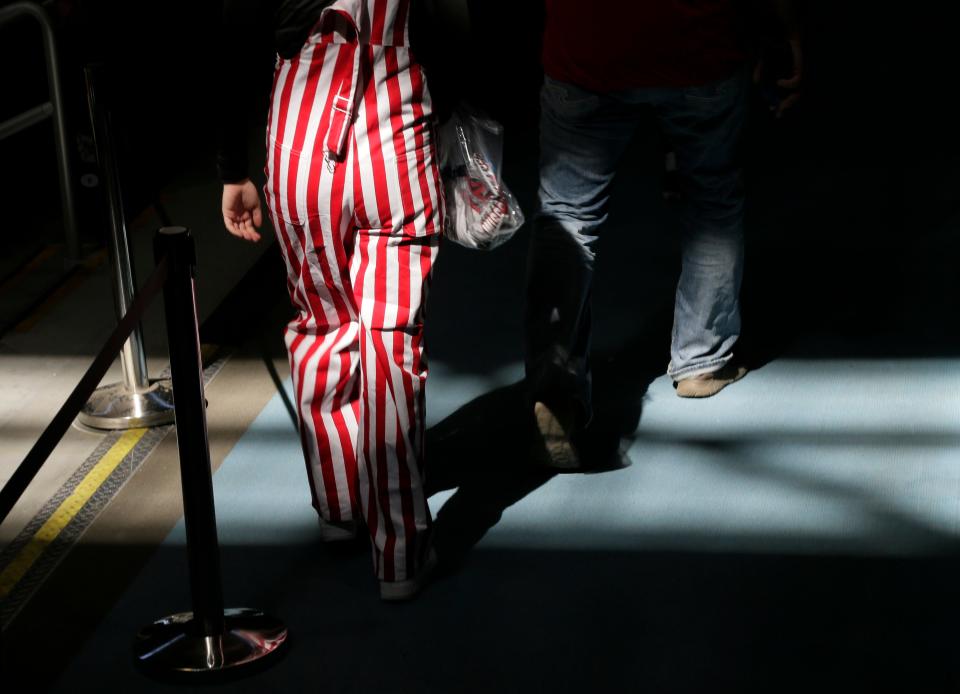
x=609 y=45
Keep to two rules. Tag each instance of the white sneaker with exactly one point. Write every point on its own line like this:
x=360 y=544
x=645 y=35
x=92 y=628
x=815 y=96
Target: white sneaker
x=396 y=591
x=338 y=531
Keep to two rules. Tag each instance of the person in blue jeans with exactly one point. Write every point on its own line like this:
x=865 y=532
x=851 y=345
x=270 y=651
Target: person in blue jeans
x=687 y=62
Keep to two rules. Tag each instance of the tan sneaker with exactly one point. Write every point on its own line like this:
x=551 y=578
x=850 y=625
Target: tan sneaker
x=555 y=429
x=705 y=385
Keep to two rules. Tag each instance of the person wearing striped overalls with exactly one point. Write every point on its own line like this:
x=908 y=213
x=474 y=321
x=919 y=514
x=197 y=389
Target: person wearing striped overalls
x=354 y=194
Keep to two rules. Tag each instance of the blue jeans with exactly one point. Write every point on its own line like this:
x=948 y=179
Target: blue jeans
x=582 y=138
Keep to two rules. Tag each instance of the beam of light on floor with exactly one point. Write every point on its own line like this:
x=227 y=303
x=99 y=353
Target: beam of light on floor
x=810 y=457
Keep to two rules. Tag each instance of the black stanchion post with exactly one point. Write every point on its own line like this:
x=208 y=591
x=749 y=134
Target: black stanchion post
x=208 y=640
x=192 y=444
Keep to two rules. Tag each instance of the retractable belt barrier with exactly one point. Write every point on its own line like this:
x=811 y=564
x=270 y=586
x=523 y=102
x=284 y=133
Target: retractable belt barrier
x=27 y=470
x=209 y=641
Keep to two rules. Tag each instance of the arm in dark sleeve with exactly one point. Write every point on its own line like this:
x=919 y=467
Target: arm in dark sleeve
x=789 y=16
x=245 y=51
x=781 y=17
x=442 y=42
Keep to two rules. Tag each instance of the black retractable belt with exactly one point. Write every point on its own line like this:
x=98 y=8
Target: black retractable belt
x=209 y=640
x=51 y=436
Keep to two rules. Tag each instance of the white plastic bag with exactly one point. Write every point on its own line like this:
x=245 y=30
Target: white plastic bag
x=481 y=211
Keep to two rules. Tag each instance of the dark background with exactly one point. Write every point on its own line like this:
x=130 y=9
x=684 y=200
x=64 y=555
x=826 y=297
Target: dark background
x=853 y=204
x=880 y=83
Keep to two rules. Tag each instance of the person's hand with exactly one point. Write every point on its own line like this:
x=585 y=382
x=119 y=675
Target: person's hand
x=792 y=83
x=783 y=92
x=241 y=209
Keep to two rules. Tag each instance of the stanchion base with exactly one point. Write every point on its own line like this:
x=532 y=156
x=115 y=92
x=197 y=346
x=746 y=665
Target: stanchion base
x=114 y=407
x=173 y=647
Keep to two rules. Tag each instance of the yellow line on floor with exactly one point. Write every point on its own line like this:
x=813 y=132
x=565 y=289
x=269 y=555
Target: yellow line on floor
x=67 y=510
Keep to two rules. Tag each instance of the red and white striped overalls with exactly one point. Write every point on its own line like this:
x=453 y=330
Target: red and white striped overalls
x=354 y=193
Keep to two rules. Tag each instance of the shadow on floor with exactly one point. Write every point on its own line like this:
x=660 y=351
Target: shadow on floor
x=490 y=452
x=565 y=621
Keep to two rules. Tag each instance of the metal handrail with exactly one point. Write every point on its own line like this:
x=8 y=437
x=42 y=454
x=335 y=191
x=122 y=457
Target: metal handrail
x=53 y=109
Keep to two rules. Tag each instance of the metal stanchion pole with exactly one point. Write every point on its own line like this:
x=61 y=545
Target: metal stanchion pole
x=210 y=639
x=137 y=401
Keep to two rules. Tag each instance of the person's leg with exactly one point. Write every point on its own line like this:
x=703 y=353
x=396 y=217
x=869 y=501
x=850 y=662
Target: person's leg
x=582 y=138
x=392 y=277
x=311 y=216
x=704 y=124
x=399 y=218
